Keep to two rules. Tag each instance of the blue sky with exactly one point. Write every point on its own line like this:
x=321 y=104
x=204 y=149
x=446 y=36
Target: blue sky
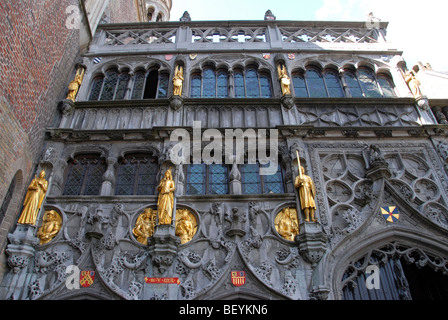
x=416 y=27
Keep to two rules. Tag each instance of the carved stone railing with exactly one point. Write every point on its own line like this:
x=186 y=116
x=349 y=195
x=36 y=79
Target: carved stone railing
x=200 y=36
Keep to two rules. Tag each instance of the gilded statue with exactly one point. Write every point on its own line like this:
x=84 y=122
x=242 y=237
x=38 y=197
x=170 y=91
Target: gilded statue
x=165 y=203
x=285 y=81
x=51 y=225
x=186 y=225
x=413 y=83
x=178 y=80
x=74 y=85
x=33 y=199
x=144 y=227
x=307 y=194
x=287 y=224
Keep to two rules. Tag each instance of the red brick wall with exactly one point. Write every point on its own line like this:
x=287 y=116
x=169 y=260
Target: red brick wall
x=37 y=59
x=120 y=11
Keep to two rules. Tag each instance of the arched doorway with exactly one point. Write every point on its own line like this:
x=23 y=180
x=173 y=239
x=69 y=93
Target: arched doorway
x=396 y=272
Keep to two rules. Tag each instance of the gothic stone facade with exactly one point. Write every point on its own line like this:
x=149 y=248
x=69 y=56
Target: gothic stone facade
x=364 y=150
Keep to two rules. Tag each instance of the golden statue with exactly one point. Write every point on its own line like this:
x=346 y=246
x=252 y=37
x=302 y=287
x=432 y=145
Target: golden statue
x=51 y=224
x=178 y=80
x=287 y=224
x=285 y=81
x=33 y=199
x=186 y=225
x=74 y=85
x=165 y=203
x=144 y=227
x=413 y=83
x=307 y=193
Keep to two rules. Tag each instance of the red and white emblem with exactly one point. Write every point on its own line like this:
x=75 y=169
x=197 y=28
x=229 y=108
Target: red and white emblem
x=238 y=278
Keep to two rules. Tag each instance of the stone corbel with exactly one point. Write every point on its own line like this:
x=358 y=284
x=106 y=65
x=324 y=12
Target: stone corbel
x=163 y=247
x=312 y=242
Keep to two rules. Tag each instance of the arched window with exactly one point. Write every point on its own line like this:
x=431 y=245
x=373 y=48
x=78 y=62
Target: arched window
x=254 y=183
x=240 y=91
x=387 y=85
x=252 y=84
x=315 y=83
x=109 y=85
x=7 y=199
x=299 y=84
x=208 y=83
x=122 y=86
x=137 y=175
x=368 y=83
x=84 y=175
x=196 y=86
x=150 y=85
x=207 y=179
x=353 y=84
x=265 y=86
x=333 y=84
x=97 y=84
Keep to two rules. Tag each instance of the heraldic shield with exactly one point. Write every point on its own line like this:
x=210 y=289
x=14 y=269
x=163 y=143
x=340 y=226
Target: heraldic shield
x=238 y=278
x=391 y=214
x=86 y=278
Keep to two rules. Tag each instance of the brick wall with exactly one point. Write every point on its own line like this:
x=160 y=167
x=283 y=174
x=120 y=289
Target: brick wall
x=37 y=60
x=120 y=11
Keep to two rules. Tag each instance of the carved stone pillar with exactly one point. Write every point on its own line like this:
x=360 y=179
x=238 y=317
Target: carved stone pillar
x=109 y=177
x=312 y=242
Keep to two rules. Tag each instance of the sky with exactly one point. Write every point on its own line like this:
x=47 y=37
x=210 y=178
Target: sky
x=415 y=27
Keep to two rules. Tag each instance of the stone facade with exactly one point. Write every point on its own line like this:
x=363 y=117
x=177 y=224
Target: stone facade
x=362 y=154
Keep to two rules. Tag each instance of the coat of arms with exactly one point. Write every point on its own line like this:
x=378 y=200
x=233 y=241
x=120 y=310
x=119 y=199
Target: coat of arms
x=391 y=214
x=238 y=278
x=86 y=278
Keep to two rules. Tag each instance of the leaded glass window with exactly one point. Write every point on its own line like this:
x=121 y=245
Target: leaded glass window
x=196 y=86
x=207 y=179
x=137 y=175
x=109 y=85
x=240 y=91
x=265 y=86
x=139 y=85
x=368 y=83
x=223 y=85
x=122 y=86
x=315 y=83
x=353 y=84
x=333 y=84
x=386 y=85
x=97 y=84
x=251 y=179
x=254 y=183
x=252 y=84
x=299 y=84
x=163 y=86
x=196 y=179
x=84 y=176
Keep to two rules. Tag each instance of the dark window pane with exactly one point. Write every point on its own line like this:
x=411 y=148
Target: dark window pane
x=147 y=178
x=122 y=86
x=333 y=85
x=265 y=85
x=196 y=86
x=7 y=199
x=239 y=85
x=217 y=179
x=109 y=86
x=139 y=84
x=368 y=83
x=223 y=85
x=163 y=86
x=315 y=82
x=196 y=182
x=125 y=179
x=387 y=86
x=250 y=178
x=85 y=176
x=273 y=183
x=94 y=179
x=75 y=179
x=299 y=86
x=96 y=88
x=353 y=84
x=252 y=85
x=151 y=84
x=209 y=84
